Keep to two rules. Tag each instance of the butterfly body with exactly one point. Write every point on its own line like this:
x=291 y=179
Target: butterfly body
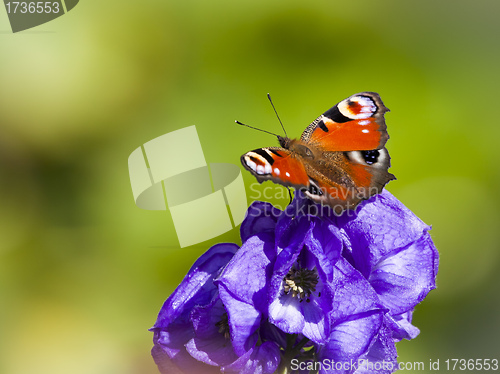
x=340 y=158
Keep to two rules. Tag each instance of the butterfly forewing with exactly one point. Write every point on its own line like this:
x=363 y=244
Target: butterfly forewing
x=276 y=164
x=356 y=123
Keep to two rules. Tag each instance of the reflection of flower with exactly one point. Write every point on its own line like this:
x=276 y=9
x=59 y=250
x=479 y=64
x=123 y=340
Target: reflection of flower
x=306 y=287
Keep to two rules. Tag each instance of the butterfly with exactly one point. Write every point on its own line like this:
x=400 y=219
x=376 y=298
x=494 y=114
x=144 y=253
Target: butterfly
x=340 y=159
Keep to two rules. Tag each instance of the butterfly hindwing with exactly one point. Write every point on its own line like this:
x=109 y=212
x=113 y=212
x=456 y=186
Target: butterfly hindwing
x=343 y=179
x=354 y=124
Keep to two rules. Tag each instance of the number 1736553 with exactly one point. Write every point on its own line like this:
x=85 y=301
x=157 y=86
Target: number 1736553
x=33 y=7
x=472 y=364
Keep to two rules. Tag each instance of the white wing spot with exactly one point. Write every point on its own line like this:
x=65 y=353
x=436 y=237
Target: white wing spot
x=264 y=168
x=366 y=131
x=287 y=174
x=252 y=165
x=277 y=171
x=356 y=156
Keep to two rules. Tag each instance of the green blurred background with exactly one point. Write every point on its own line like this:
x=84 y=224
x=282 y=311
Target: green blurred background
x=83 y=271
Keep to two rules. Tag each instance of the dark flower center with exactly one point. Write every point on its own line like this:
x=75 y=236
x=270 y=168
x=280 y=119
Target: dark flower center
x=223 y=326
x=301 y=283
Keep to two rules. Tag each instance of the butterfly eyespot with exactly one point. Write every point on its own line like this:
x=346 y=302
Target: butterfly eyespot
x=370 y=157
x=357 y=107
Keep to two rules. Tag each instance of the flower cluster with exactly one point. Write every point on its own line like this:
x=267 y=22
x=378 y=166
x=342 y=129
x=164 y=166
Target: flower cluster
x=308 y=291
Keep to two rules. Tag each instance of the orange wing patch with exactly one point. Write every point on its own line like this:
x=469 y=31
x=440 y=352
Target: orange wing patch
x=356 y=135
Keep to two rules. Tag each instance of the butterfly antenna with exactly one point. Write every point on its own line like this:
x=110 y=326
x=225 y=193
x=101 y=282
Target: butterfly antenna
x=255 y=128
x=281 y=123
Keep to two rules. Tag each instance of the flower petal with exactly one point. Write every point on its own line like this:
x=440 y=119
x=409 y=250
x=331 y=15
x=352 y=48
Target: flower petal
x=243 y=288
x=325 y=243
x=246 y=276
x=291 y=233
x=404 y=278
x=172 y=339
x=382 y=356
x=244 y=321
x=310 y=318
x=260 y=217
x=348 y=341
x=286 y=314
x=381 y=225
x=209 y=345
x=211 y=352
x=353 y=294
x=197 y=287
x=263 y=359
x=170 y=353
x=165 y=365
x=401 y=326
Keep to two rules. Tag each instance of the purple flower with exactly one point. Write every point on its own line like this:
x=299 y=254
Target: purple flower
x=290 y=269
x=192 y=333
x=307 y=287
x=174 y=328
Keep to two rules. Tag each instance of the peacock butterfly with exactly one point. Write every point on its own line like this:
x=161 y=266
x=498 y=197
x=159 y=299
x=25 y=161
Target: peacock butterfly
x=339 y=160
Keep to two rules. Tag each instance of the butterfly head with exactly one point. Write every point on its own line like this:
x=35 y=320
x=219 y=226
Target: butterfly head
x=284 y=141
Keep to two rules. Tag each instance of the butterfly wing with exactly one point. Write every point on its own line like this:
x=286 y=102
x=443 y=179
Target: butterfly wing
x=337 y=179
x=276 y=164
x=355 y=124
x=343 y=179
